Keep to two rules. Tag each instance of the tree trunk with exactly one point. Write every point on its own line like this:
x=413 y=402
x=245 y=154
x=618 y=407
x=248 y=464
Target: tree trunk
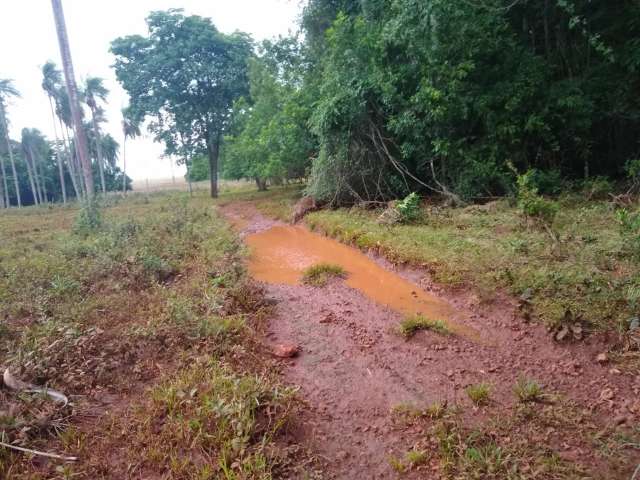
x=3 y=118
x=58 y=156
x=4 y=190
x=124 y=166
x=38 y=167
x=70 y=165
x=96 y=133
x=72 y=91
x=34 y=191
x=213 y=148
x=186 y=162
x=261 y=183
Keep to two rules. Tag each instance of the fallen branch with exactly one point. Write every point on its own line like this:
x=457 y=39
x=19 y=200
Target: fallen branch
x=20 y=386
x=36 y=452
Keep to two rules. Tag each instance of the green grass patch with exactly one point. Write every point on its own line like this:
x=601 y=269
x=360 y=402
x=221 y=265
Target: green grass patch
x=413 y=324
x=527 y=390
x=318 y=275
x=488 y=248
x=479 y=393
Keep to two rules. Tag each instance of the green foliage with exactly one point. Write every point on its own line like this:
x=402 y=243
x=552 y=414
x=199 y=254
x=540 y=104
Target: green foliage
x=191 y=106
x=531 y=203
x=630 y=230
x=409 y=208
x=198 y=169
x=89 y=218
x=597 y=188
x=268 y=139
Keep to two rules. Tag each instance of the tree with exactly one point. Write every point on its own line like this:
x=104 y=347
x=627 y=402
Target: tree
x=185 y=75
x=30 y=144
x=95 y=90
x=130 y=129
x=72 y=91
x=8 y=90
x=52 y=78
x=269 y=139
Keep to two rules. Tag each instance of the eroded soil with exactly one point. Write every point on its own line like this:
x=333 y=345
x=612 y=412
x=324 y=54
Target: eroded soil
x=354 y=368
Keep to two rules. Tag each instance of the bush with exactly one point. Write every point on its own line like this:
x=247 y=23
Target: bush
x=409 y=208
x=531 y=203
x=630 y=229
x=89 y=218
x=597 y=188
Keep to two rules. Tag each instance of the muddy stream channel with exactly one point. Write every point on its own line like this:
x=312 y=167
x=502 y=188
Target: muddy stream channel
x=280 y=254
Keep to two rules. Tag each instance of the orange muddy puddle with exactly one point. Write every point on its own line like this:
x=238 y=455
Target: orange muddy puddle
x=280 y=254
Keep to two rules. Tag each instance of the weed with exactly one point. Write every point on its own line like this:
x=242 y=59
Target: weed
x=436 y=410
x=415 y=457
x=528 y=390
x=319 y=274
x=89 y=218
x=409 y=208
x=411 y=325
x=479 y=393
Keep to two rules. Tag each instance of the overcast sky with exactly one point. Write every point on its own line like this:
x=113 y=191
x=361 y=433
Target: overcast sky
x=28 y=40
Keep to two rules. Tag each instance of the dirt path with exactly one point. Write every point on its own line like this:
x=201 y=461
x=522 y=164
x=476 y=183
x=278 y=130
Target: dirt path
x=353 y=368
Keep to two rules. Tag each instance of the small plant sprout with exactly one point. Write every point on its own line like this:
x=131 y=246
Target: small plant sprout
x=414 y=458
x=410 y=325
x=528 y=390
x=319 y=274
x=479 y=393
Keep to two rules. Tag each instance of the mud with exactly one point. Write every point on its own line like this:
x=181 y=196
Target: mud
x=353 y=368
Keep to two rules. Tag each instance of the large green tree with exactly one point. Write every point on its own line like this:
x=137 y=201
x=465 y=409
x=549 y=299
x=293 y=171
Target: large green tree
x=184 y=75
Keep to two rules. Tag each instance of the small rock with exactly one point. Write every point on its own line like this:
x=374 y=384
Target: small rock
x=602 y=358
x=615 y=371
x=286 y=350
x=607 y=394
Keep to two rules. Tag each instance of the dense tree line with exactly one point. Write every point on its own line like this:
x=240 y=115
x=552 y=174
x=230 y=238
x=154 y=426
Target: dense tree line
x=35 y=170
x=385 y=97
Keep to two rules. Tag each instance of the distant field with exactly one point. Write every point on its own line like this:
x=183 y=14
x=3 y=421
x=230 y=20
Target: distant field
x=179 y=183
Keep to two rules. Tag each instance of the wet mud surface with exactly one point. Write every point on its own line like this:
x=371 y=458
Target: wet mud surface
x=353 y=368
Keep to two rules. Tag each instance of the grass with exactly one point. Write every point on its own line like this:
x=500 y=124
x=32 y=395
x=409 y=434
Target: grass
x=527 y=390
x=479 y=393
x=490 y=249
x=413 y=324
x=149 y=291
x=318 y=275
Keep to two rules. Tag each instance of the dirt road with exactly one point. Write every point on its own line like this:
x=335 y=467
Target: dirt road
x=354 y=369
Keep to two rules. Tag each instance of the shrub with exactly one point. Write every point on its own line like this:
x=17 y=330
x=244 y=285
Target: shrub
x=409 y=208
x=89 y=218
x=531 y=203
x=630 y=229
x=597 y=188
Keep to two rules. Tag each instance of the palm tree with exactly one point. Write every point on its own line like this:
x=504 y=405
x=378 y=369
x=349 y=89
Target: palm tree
x=52 y=78
x=95 y=90
x=72 y=90
x=8 y=90
x=29 y=144
x=63 y=111
x=130 y=129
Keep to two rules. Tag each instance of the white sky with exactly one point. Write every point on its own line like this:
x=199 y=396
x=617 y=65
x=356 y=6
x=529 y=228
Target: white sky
x=28 y=40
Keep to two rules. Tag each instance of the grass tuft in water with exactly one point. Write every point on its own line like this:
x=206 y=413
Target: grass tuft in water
x=319 y=274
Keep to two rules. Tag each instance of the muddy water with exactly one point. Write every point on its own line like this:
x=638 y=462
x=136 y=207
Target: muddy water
x=280 y=254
